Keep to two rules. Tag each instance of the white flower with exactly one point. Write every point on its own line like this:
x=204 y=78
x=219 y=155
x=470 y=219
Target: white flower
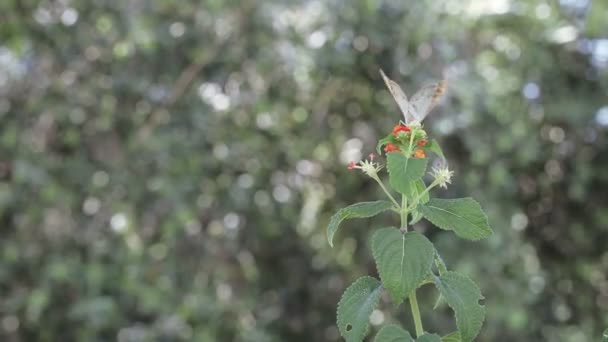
x=369 y=167
x=443 y=176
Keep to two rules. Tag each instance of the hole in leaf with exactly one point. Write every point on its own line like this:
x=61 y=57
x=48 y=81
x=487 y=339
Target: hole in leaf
x=349 y=327
x=482 y=302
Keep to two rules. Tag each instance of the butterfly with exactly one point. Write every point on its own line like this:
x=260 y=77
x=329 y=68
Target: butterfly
x=423 y=101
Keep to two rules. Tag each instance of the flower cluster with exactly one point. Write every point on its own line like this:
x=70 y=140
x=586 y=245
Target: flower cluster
x=412 y=139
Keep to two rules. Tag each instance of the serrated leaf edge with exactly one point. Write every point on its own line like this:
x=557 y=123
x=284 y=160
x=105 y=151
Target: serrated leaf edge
x=490 y=231
x=374 y=304
x=377 y=257
x=339 y=217
x=390 y=326
x=481 y=297
x=407 y=160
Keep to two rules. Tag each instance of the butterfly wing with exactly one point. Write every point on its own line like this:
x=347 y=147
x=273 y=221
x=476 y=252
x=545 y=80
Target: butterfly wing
x=426 y=98
x=399 y=97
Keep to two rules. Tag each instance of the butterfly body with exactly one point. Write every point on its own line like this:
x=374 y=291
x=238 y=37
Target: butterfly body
x=421 y=103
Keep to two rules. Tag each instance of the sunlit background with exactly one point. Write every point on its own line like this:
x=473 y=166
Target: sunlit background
x=167 y=168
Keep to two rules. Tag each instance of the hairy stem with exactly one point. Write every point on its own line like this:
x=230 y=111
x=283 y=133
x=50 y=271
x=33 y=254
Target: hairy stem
x=386 y=191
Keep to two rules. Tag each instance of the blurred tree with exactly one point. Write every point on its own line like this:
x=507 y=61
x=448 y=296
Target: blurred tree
x=167 y=168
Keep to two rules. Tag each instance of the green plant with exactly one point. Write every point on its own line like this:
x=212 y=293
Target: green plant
x=406 y=259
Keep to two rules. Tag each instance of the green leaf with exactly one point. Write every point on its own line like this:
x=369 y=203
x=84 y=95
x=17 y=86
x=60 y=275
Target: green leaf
x=417 y=187
x=429 y=338
x=403 y=260
x=416 y=216
x=387 y=139
x=393 y=333
x=463 y=297
x=441 y=267
x=355 y=307
x=453 y=337
x=434 y=147
x=462 y=215
x=438 y=302
x=357 y=210
x=420 y=187
x=403 y=170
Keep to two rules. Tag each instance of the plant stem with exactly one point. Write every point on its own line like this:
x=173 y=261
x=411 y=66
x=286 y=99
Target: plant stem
x=412 y=296
x=416 y=314
x=415 y=202
x=386 y=191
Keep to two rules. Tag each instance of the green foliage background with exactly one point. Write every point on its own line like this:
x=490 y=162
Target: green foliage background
x=167 y=168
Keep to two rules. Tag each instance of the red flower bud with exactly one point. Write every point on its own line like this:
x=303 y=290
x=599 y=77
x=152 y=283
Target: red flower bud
x=400 y=128
x=390 y=147
x=419 y=153
x=421 y=143
x=351 y=165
